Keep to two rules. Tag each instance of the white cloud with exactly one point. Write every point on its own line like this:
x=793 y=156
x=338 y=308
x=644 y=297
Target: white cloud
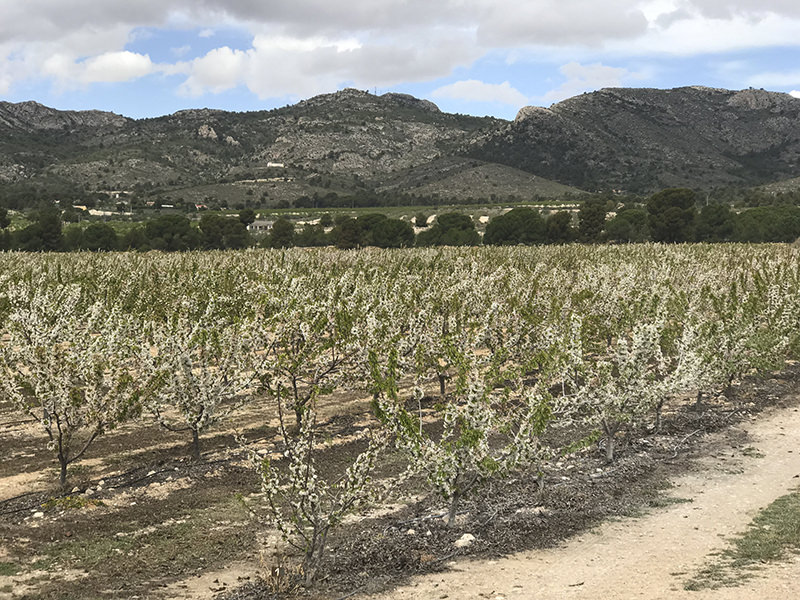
x=217 y=71
x=105 y=68
x=701 y=34
x=280 y=65
x=473 y=90
x=586 y=78
x=554 y=22
x=116 y=66
x=304 y=46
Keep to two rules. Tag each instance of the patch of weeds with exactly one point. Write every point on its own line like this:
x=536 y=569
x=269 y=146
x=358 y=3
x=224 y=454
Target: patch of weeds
x=8 y=569
x=665 y=501
x=752 y=452
x=83 y=553
x=141 y=557
x=71 y=502
x=771 y=536
x=75 y=470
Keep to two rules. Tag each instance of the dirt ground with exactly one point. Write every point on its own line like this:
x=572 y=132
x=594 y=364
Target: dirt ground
x=651 y=557
x=148 y=523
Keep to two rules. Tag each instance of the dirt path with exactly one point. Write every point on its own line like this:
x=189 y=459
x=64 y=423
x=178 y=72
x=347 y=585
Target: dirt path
x=650 y=557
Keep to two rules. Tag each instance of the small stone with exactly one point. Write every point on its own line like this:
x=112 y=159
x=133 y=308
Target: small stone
x=76 y=490
x=89 y=492
x=411 y=532
x=38 y=515
x=465 y=540
x=101 y=483
x=150 y=473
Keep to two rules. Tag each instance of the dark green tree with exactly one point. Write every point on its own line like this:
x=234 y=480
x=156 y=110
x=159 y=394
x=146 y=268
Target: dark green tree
x=768 y=224
x=559 y=229
x=5 y=220
x=99 y=236
x=628 y=226
x=247 y=216
x=45 y=234
x=135 y=239
x=281 y=235
x=347 y=234
x=517 y=226
x=388 y=233
x=221 y=232
x=73 y=237
x=5 y=236
x=592 y=219
x=172 y=233
x=450 y=229
x=311 y=236
x=671 y=215
x=212 y=227
x=715 y=223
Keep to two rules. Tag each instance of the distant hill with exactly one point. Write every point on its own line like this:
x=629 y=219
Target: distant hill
x=634 y=140
x=646 y=139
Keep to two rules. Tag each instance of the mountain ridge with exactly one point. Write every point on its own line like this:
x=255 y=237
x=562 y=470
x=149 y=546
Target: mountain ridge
x=629 y=139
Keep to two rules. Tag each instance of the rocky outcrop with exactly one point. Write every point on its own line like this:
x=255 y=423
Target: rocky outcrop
x=635 y=140
x=35 y=116
x=647 y=139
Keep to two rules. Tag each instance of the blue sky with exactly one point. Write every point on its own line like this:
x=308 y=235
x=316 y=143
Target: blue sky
x=484 y=57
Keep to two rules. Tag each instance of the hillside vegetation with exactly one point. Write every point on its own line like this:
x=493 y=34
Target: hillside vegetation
x=353 y=142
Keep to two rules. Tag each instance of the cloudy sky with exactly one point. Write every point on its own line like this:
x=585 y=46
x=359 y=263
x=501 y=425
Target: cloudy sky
x=152 y=57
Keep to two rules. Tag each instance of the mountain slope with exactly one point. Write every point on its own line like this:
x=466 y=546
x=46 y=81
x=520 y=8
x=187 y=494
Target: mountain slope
x=647 y=139
x=636 y=140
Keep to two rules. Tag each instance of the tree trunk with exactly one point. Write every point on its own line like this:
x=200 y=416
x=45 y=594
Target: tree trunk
x=442 y=383
x=63 y=475
x=729 y=388
x=195 y=444
x=540 y=486
x=451 y=515
x=657 y=425
x=610 y=448
x=609 y=431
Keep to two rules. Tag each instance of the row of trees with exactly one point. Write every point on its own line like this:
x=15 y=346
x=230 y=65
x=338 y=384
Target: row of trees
x=510 y=342
x=172 y=232
x=669 y=216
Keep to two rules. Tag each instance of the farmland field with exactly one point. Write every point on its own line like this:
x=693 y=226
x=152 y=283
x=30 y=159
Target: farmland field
x=179 y=425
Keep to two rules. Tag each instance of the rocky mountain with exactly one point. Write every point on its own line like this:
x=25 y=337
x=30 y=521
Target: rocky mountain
x=648 y=139
x=636 y=140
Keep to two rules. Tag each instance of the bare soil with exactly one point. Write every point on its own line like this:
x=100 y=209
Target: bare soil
x=653 y=556
x=154 y=524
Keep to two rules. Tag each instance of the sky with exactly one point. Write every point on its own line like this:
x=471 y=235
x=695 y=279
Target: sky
x=147 y=58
